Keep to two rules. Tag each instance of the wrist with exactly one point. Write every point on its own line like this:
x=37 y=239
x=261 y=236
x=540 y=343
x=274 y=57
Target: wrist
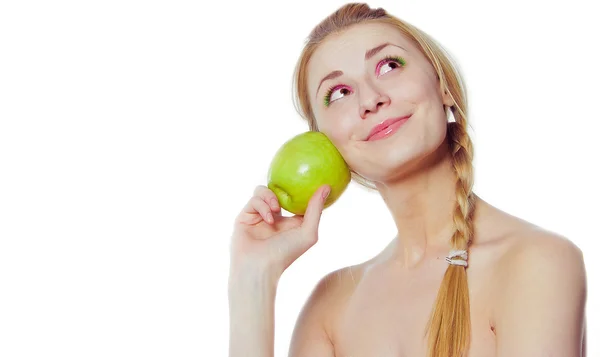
x=251 y=279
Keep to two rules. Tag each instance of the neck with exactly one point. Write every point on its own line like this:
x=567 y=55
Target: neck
x=422 y=205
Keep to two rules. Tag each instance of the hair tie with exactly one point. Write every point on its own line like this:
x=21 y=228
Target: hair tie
x=457 y=253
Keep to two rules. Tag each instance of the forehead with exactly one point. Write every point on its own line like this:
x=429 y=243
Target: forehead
x=346 y=50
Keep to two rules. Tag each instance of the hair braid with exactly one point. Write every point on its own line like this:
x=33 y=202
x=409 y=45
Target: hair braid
x=450 y=324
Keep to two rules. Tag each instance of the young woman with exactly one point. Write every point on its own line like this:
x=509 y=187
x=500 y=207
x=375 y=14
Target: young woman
x=461 y=278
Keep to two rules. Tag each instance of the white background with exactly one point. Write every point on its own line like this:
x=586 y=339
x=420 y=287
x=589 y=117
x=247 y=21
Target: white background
x=132 y=132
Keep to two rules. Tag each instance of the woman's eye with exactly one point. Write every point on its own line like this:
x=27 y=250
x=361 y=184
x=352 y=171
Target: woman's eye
x=389 y=64
x=336 y=93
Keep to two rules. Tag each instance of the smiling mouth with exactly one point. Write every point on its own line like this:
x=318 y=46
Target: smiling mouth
x=387 y=128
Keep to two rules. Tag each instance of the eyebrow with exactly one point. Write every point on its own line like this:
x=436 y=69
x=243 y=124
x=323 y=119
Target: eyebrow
x=368 y=55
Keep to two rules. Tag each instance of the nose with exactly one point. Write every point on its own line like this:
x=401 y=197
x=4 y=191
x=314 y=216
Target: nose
x=371 y=100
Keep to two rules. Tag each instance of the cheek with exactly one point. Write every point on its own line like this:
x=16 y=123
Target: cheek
x=411 y=91
x=414 y=85
x=338 y=134
x=339 y=124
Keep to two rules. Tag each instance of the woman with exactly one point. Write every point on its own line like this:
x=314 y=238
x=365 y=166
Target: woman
x=461 y=278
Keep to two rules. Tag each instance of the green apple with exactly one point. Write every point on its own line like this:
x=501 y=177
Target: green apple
x=302 y=165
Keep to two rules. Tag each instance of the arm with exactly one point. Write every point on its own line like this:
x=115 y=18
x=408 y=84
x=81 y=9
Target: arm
x=251 y=315
x=542 y=307
x=263 y=245
x=251 y=319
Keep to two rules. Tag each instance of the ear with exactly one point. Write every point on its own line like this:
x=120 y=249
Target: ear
x=447 y=98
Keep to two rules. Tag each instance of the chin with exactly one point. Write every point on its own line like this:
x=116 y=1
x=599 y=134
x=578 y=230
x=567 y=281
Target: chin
x=396 y=156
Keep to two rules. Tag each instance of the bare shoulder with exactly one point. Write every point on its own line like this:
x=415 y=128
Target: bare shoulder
x=534 y=250
x=519 y=246
x=541 y=295
x=330 y=293
x=313 y=331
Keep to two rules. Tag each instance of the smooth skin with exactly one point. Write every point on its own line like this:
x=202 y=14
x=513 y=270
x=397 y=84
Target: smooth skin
x=527 y=285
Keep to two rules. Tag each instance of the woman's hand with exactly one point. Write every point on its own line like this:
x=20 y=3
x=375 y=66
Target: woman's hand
x=266 y=242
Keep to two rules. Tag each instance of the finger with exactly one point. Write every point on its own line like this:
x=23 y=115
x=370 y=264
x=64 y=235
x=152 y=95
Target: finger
x=268 y=196
x=257 y=205
x=312 y=217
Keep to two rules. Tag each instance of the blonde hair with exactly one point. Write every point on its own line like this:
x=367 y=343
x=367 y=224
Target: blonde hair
x=449 y=327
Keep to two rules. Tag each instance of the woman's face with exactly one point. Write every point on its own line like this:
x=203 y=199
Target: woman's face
x=369 y=74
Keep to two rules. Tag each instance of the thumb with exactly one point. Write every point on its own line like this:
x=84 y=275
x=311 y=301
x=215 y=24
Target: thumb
x=312 y=216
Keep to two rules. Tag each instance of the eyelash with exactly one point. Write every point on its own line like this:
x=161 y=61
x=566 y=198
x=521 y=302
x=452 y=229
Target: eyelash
x=396 y=59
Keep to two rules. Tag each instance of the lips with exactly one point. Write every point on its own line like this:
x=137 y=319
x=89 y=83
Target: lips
x=379 y=127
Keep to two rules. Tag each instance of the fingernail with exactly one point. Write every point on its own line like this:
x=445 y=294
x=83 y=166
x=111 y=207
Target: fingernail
x=326 y=192
x=274 y=203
